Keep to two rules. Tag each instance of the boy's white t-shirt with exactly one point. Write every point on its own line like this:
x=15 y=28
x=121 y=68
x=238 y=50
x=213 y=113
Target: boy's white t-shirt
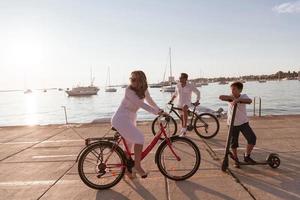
x=241 y=113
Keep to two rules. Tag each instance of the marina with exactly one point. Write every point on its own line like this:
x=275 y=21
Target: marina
x=39 y=107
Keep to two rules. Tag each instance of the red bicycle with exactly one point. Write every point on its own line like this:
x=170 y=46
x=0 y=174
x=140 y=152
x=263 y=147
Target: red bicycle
x=102 y=163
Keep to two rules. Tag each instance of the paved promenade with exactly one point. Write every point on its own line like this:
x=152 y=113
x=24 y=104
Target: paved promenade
x=39 y=163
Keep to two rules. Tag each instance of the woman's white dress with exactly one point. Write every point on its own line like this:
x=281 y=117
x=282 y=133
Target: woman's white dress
x=124 y=119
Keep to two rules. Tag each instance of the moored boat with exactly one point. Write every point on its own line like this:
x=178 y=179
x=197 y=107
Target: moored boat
x=84 y=90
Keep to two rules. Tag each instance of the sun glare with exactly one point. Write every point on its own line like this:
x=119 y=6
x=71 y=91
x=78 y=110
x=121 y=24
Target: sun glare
x=25 y=50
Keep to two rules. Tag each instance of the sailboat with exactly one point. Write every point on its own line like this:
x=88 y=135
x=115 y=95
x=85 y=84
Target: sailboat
x=198 y=83
x=84 y=90
x=169 y=88
x=28 y=91
x=109 y=88
x=261 y=80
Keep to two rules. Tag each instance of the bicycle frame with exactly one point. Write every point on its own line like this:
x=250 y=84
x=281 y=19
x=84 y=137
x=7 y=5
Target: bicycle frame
x=149 y=147
x=173 y=109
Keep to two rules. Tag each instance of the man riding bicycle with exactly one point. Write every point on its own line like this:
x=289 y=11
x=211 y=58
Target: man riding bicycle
x=184 y=91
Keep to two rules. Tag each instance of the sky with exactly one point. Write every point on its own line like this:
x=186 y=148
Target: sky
x=55 y=43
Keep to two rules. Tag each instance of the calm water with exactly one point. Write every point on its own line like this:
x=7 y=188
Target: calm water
x=17 y=108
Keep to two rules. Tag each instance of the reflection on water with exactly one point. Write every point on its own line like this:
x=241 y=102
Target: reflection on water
x=31 y=109
x=17 y=108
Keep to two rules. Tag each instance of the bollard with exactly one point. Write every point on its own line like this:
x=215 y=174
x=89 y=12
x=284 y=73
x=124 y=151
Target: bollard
x=66 y=117
x=259 y=106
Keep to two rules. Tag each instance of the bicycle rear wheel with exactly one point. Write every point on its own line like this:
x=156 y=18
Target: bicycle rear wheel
x=173 y=168
x=206 y=125
x=101 y=165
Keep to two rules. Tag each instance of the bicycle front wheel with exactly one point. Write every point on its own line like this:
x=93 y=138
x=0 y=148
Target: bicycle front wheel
x=179 y=161
x=169 y=123
x=101 y=165
x=206 y=125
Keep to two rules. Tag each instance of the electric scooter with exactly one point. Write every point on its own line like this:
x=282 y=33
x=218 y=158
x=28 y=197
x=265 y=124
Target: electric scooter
x=272 y=160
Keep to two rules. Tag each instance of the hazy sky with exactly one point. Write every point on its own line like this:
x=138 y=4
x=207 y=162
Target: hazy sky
x=54 y=43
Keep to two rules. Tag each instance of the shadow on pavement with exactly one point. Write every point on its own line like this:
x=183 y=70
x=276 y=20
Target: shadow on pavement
x=283 y=182
x=110 y=194
x=140 y=189
x=189 y=188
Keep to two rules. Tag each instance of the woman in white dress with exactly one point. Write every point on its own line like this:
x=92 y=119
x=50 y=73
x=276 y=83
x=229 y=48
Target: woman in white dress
x=124 y=119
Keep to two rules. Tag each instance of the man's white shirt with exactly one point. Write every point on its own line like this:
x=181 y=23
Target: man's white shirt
x=241 y=112
x=184 y=94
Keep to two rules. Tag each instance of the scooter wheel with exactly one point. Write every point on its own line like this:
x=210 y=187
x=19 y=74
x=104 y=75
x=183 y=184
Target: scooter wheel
x=274 y=161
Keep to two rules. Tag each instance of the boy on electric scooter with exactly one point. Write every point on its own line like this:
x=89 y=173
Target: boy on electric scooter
x=241 y=122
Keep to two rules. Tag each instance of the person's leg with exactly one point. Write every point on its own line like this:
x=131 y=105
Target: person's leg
x=251 y=140
x=185 y=116
x=138 y=148
x=129 y=146
x=131 y=133
x=234 y=153
x=249 y=149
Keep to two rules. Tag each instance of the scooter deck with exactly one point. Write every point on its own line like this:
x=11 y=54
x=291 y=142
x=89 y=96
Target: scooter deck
x=257 y=163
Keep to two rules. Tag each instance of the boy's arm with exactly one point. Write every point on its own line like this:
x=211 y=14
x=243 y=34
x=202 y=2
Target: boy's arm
x=226 y=98
x=244 y=99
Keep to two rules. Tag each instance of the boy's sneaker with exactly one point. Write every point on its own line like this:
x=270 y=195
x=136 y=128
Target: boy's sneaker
x=249 y=160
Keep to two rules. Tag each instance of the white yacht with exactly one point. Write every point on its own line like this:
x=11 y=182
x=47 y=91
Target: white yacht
x=84 y=90
x=155 y=85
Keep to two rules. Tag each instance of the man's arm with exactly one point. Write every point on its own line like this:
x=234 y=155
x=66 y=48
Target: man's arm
x=174 y=95
x=197 y=92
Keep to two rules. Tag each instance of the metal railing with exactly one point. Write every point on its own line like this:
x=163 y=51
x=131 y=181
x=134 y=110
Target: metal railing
x=37 y=115
x=255 y=99
x=66 y=116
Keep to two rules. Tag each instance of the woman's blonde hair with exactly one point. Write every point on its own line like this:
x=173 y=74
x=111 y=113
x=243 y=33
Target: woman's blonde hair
x=142 y=84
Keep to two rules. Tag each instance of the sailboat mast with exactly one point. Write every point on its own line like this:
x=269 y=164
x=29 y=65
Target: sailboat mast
x=108 y=76
x=91 y=74
x=170 y=62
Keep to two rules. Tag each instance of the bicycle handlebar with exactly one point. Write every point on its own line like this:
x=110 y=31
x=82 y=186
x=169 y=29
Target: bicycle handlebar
x=164 y=115
x=194 y=104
